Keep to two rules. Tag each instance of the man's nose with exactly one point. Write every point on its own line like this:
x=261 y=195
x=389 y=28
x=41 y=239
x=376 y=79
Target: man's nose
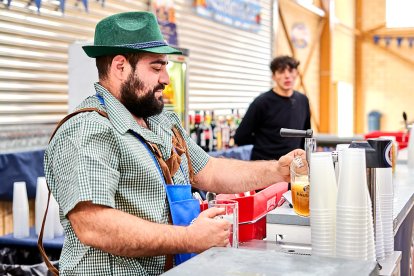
x=164 y=77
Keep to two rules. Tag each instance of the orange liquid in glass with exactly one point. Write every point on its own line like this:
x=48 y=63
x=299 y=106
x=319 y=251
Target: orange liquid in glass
x=300 y=197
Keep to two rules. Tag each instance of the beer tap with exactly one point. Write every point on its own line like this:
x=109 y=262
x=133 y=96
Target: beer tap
x=310 y=142
x=405 y=121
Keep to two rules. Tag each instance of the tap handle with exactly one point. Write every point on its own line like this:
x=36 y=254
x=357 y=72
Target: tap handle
x=287 y=132
x=405 y=120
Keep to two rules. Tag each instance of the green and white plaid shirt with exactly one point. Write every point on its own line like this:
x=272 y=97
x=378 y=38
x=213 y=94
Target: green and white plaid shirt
x=95 y=159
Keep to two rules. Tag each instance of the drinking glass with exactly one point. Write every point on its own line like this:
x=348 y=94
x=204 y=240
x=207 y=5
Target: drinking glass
x=299 y=178
x=231 y=215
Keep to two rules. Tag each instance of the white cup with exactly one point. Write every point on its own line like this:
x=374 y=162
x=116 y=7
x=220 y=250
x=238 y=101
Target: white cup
x=42 y=193
x=352 y=186
x=324 y=190
x=20 y=211
x=57 y=227
x=384 y=184
x=339 y=148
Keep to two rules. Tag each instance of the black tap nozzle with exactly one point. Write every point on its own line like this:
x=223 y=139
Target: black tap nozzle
x=287 y=132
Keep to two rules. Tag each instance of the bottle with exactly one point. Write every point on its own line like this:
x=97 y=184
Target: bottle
x=219 y=134
x=237 y=118
x=195 y=133
x=213 y=132
x=191 y=124
x=201 y=138
x=208 y=132
x=225 y=133
x=232 y=127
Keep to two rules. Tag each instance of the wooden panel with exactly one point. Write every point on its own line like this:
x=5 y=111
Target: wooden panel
x=325 y=79
x=359 y=93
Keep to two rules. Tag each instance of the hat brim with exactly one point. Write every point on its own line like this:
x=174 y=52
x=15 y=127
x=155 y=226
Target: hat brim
x=96 y=51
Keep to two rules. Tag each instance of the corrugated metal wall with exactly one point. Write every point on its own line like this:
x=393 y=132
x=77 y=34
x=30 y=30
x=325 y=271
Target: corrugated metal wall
x=228 y=67
x=34 y=52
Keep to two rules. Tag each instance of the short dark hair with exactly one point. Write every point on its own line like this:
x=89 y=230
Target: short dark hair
x=283 y=62
x=104 y=62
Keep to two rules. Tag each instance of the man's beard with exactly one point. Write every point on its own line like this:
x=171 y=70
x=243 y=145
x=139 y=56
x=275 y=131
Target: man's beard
x=142 y=106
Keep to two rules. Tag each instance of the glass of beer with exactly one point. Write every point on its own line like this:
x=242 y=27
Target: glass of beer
x=299 y=179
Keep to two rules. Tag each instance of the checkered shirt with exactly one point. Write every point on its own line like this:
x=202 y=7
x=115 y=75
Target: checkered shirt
x=95 y=159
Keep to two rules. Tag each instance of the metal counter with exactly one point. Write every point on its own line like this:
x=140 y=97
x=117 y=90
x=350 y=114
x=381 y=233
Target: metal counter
x=239 y=261
x=403 y=182
x=283 y=225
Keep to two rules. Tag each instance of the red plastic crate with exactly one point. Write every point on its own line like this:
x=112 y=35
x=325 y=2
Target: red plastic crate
x=253 y=210
x=400 y=136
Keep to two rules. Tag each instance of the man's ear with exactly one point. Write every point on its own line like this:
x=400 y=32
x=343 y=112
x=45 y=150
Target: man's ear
x=120 y=67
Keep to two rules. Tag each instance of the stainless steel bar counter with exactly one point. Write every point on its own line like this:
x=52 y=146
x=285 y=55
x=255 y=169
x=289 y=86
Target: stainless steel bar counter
x=271 y=258
x=250 y=262
x=284 y=226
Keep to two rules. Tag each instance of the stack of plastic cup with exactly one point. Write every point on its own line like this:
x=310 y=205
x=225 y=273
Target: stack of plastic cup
x=379 y=233
x=385 y=197
x=339 y=149
x=410 y=152
x=354 y=223
x=322 y=203
x=42 y=193
x=370 y=233
x=57 y=227
x=20 y=211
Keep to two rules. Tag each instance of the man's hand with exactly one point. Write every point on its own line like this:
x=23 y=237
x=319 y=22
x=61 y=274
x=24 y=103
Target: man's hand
x=285 y=160
x=207 y=232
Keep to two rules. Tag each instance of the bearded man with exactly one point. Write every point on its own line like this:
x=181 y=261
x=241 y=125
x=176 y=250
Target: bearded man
x=120 y=167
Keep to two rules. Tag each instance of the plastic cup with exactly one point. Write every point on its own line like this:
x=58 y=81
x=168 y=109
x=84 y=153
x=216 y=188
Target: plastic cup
x=384 y=182
x=42 y=193
x=300 y=188
x=352 y=186
x=338 y=164
x=57 y=226
x=323 y=181
x=20 y=211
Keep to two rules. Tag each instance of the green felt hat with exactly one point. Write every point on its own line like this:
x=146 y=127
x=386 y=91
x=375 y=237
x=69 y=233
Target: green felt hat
x=128 y=32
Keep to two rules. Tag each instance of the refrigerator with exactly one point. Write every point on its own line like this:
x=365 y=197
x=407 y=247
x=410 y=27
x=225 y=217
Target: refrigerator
x=175 y=94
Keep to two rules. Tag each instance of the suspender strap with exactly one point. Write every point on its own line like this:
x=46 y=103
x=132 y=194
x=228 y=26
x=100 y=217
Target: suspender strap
x=169 y=168
x=182 y=142
x=49 y=265
x=88 y=109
